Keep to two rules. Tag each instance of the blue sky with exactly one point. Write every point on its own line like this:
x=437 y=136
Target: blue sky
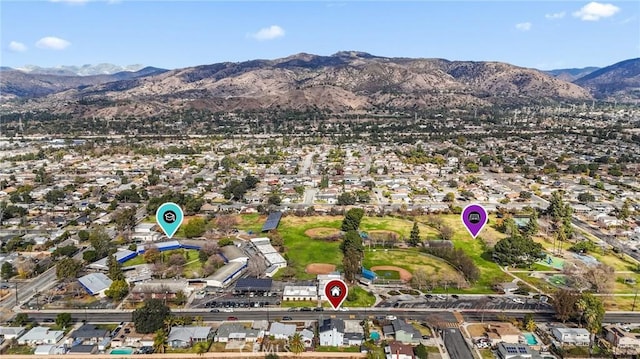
x=172 y=34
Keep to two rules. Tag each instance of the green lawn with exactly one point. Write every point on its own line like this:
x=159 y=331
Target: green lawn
x=409 y=259
x=251 y=222
x=401 y=226
x=302 y=250
x=20 y=350
x=190 y=270
x=388 y=274
x=363 y=298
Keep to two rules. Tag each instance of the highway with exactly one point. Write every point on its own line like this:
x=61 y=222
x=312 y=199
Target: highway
x=433 y=316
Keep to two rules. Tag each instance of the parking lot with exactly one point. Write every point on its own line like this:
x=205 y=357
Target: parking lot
x=496 y=303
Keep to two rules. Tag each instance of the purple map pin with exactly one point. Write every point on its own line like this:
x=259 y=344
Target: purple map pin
x=474 y=218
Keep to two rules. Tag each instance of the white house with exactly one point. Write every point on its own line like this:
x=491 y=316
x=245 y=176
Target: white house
x=184 y=337
x=623 y=341
x=571 y=336
x=95 y=283
x=282 y=331
x=8 y=333
x=41 y=335
x=331 y=332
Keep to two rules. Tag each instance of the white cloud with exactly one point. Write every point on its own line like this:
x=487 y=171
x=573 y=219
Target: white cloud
x=524 y=26
x=594 y=11
x=17 y=46
x=268 y=33
x=52 y=43
x=555 y=16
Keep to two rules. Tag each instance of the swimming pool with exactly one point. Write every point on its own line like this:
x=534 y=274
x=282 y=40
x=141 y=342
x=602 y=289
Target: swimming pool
x=374 y=335
x=530 y=338
x=123 y=350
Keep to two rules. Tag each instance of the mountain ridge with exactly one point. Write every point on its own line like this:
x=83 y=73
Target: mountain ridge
x=344 y=81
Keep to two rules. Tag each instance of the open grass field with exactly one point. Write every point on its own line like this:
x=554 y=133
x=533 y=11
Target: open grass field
x=388 y=274
x=398 y=225
x=410 y=260
x=362 y=298
x=322 y=232
x=303 y=250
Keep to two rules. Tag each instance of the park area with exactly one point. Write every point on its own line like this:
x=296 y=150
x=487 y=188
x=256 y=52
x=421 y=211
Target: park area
x=313 y=247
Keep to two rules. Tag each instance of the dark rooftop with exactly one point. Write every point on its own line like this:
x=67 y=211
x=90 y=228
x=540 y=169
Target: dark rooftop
x=272 y=221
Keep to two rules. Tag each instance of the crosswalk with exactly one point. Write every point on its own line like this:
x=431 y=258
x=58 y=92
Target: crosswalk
x=447 y=324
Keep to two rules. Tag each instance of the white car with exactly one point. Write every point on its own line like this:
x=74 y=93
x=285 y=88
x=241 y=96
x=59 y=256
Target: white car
x=518 y=300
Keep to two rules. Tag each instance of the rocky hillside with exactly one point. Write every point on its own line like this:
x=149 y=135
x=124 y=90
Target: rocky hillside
x=620 y=81
x=343 y=81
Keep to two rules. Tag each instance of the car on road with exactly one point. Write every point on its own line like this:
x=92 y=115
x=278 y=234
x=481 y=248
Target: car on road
x=318 y=309
x=428 y=296
x=305 y=309
x=292 y=310
x=455 y=296
x=518 y=300
x=440 y=296
x=227 y=310
x=391 y=317
x=232 y=318
x=287 y=318
x=214 y=311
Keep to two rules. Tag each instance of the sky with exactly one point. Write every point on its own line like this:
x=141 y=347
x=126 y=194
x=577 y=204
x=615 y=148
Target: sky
x=175 y=34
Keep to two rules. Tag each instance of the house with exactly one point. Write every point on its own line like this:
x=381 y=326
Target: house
x=184 y=337
x=353 y=333
x=323 y=279
x=46 y=349
x=403 y=331
x=236 y=332
x=331 y=332
x=83 y=350
x=307 y=337
x=397 y=350
x=513 y=351
x=8 y=333
x=300 y=292
x=90 y=334
x=128 y=337
x=282 y=331
x=95 y=283
x=572 y=336
x=503 y=333
x=41 y=335
x=623 y=342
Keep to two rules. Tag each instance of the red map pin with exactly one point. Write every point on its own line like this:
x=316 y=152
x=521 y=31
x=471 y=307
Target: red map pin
x=336 y=291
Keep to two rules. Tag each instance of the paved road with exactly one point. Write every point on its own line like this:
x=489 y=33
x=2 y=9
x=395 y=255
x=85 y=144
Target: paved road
x=469 y=302
x=306 y=164
x=456 y=345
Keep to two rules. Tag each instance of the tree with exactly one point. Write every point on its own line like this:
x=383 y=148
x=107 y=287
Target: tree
x=352 y=218
x=66 y=251
x=531 y=229
x=275 y=238
x=83 y=235
x=125 y=219
x=296 y=343
x=195 y=227
x=421 y=351
x=624 y=211
x=115 y=268
x=225 y=223
x=414 y=237
x=525 y=195
x=151 y=254
x=517 y=251
x=63 y=320
x=449 y=197
x=593 y=313
x=159 y=341
x=101 y=242
x=446 y=232
x=585 y=197
x=274 y=200
x=564 y=302
x=346 y=199
x=118 y=290
x=419 y=278
x=150 y=317
x=68 y=268
x=7 y=271
x=529 y=323
x=353 y=253
x=20 y=320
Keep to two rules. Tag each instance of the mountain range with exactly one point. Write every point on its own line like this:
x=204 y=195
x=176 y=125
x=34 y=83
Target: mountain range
x=347 y=80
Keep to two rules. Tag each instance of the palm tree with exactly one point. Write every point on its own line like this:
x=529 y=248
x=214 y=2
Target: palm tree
x=169 y=322
x=159 y=341
x=296 y=343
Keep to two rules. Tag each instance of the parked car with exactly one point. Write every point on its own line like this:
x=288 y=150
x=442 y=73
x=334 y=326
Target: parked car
x=287 y=318
x=214 y=311
x=232 y=318
x=318 y=309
